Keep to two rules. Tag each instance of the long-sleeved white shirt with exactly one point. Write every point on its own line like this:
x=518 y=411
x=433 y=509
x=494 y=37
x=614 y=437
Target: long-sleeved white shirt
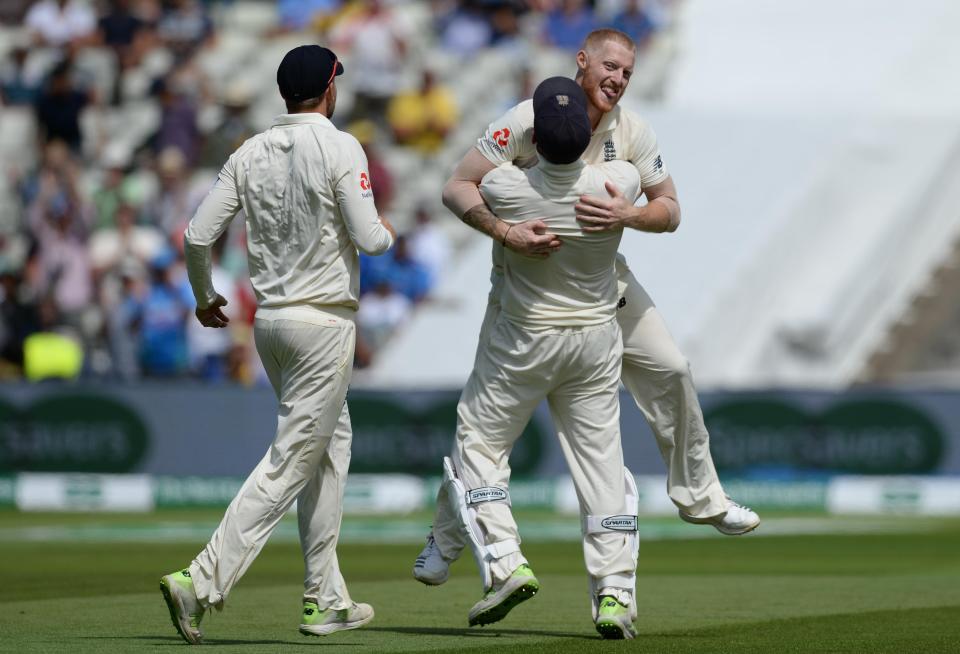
x=575 y=286
x=305 y=189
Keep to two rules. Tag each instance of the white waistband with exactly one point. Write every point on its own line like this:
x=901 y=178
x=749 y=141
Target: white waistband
x=311 y=313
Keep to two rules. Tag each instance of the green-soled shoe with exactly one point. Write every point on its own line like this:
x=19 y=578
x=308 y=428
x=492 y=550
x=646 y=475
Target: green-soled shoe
x=315 y=622
x=613 y=620
x=498 y=602
x=186 y=612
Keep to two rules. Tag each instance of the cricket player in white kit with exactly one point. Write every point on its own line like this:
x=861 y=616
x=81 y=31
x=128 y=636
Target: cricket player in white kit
x=654 y=370
x=305 y=190
x=556 y=338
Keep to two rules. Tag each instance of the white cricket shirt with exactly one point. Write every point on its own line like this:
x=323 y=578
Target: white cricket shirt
x=305 y=189
x=621 y=135
x=574 y=286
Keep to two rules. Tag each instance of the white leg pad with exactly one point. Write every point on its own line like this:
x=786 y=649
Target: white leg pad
x=626 y=523
x=464 y=502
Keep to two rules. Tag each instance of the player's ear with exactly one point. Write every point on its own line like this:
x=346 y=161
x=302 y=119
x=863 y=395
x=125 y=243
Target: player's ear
x=581 y=61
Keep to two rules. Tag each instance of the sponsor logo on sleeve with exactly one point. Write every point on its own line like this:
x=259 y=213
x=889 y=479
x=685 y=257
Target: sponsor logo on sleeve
x=365 y=186
x=658 y=164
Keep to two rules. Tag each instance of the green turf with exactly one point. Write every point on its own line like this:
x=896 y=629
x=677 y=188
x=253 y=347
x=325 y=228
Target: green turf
x=871 y=592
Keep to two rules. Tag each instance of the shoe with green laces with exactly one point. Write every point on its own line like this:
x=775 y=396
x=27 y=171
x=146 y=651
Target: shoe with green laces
x=498 y=602
x=315 y=622
x=613 y=619
x=186 y=612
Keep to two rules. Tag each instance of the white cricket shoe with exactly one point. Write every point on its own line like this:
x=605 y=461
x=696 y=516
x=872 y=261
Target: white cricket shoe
x=499 y=601
x=736 y=521
x=186 y=612
x=431 y=568
x=323 y=623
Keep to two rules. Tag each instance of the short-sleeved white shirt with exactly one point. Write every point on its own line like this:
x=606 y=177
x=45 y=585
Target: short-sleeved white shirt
x=621 y=135
x=574 y=286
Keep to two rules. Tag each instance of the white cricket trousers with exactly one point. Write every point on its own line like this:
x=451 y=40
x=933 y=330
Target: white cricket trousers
x=577 y=370
x=309 y=363
x=658 y=377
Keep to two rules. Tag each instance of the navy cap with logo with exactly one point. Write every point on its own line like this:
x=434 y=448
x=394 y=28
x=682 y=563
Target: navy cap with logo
x=306 y=72
x=561 y=126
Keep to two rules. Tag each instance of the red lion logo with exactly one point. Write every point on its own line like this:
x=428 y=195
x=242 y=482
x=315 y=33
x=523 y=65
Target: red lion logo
x=502 y=137
x=364 y=182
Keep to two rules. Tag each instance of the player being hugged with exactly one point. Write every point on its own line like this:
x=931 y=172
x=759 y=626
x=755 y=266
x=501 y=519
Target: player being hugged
x=556 y=338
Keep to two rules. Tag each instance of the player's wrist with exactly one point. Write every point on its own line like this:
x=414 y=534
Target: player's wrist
x=503 y=239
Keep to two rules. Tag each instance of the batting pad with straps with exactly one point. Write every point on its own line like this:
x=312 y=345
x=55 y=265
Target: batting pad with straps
x=464 y=503
x=626 y=523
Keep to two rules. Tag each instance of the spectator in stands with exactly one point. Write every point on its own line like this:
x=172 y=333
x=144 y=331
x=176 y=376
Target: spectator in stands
x=58 y=176
x=59 y=106
x=61 y=23
x=171 y=208
x=18 y=319
x=636 y=23
x=465 y=30
x=300 y=15
x=567 y=26
x=178 y=119
x=125 y=33
x=505 y=25
x=399 y=269
x=422 y=118
x=113 y=187
x=119 y=28
x=377 y=45
x=235 y=128
x=125 y=242
x=123 y=324
x=429 y=245
x=184 y=27
x=64 y=265
x=163 y=315
x=17 y=85
x=381 y=311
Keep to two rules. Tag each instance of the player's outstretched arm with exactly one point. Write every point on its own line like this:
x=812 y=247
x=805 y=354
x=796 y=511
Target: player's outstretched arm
x=660 y=214
x=461 y=195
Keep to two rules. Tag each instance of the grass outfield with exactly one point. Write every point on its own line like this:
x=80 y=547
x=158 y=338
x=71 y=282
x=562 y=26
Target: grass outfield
x=893 y=587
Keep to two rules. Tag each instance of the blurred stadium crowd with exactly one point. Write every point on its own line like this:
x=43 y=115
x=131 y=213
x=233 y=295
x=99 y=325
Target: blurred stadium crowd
x=116 y=116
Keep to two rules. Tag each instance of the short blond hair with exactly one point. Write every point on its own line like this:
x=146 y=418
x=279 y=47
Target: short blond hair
x=596 y=38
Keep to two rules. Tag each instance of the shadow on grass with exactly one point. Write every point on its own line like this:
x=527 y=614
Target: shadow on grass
x=151 y=639
x=474 y=632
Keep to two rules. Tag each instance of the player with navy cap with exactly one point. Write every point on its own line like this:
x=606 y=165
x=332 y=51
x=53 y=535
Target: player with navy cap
x=556 y=338
x=304 y=187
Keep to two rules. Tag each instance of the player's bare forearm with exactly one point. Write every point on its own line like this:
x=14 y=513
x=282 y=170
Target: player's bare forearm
x=461 y=193
x=662 y=214
x=530 y=238
x=482 y=219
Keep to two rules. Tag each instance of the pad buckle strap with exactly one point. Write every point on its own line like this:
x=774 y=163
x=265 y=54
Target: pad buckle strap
x=598 y=524
x=486 y=494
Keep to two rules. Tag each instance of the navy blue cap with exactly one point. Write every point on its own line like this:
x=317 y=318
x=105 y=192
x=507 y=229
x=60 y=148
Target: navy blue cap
x=561 y=126
x=306 y=72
